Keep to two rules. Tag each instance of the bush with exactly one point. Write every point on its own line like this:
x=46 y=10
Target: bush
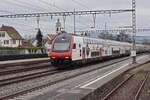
x=28 y=48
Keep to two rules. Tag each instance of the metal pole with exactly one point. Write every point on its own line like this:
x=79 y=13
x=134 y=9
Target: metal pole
x=38 y=22
x=134 y=30
x=105 y=33
x=94 y=20
x=64 y=19
x=74 y=22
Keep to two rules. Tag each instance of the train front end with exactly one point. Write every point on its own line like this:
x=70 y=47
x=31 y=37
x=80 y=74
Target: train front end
x=61 y=50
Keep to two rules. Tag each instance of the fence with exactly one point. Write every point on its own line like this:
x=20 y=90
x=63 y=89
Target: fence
x=22 y=53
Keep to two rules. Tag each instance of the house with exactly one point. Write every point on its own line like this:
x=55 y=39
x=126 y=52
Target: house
x=26 y=43
x=49 y=38
x=9 y=37
x=46 y=42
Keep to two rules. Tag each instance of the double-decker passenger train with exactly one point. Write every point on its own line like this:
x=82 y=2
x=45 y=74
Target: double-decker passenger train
x=68 y=49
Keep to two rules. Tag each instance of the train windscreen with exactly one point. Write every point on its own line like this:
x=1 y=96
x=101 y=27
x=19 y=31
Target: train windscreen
x=62 y=43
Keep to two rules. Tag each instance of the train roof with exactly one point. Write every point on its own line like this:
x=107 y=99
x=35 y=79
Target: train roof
x=107 y=41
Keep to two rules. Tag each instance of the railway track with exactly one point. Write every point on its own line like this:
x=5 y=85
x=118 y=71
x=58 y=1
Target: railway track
x=24 y=68
x=47 y=73
x=27 y=77
x=141 y=87
x=115 y=95
x=4 y=65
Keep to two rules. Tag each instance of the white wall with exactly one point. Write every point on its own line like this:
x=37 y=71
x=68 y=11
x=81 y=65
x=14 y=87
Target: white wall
x=7 y=37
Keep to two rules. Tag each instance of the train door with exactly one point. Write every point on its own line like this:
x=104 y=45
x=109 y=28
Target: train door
x=112 y=52
x=83 y=55
x=119 y=51
x=100 y=56
x=76 y=52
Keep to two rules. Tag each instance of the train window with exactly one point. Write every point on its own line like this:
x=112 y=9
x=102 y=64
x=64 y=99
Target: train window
x=94 y=54
x=62 y=43
x=79 y=45
x=105 y=51
x=74 y=46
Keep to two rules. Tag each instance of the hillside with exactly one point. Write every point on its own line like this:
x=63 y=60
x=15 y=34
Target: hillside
x=142 y=39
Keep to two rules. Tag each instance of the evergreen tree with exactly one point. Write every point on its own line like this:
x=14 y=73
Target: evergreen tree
x=39 y=37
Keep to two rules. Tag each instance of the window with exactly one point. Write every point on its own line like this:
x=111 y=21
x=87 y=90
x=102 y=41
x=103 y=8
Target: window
x=14 y=41
x=74 y=46
x=2 y=34
x=79 y=45
x=6 y=41
x=80 y=52
x=105 y=51
x=61 y=46
x=94 y=54
x=62 y=43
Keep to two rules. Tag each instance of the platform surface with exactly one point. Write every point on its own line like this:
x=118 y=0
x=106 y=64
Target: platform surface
x=22 y=60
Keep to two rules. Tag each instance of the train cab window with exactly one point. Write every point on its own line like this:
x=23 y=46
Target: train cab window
x=62 y=43
x=74 y=46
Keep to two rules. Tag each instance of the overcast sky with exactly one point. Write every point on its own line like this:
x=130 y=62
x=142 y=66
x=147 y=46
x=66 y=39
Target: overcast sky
x=27 y=26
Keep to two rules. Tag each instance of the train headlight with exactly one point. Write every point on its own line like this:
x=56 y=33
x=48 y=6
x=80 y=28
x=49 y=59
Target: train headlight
x=53 y=57
x=66 y=57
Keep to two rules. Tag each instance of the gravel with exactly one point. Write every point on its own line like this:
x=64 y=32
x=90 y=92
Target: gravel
x=145 y=92
x=130 y=88
x=11 y=75
x=23 y=73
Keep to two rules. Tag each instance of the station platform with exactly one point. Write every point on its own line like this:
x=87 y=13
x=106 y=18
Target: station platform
x=22 y=61
x=83 y=87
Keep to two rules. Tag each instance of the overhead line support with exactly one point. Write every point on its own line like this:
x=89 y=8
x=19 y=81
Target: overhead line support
x=67 y=13
x=134 y=30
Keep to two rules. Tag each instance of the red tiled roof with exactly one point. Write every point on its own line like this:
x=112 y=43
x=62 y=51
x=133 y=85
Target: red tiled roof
x=51 y=36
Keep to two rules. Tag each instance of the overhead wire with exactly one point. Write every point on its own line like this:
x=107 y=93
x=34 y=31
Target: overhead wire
x=21 y=5
x=18 y=5
x=5 y=11
x=20 y=28
x=20 y=24
x=25 y=26
x=52 y=5
x=80 y=4
x=83 y=6
x=30 y=5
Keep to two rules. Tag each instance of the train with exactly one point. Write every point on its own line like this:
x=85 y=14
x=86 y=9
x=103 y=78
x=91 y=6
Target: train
x=69 y=49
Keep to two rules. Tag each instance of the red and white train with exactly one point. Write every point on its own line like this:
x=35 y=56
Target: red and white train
x=70 y=49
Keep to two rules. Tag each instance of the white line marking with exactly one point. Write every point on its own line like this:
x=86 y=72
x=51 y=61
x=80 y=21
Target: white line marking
x=106 y=74
x=141 y=57
x=103 y=76
x=92 y=78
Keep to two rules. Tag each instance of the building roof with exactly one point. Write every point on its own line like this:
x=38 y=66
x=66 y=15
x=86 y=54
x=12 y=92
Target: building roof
x=12 y=32
x=51 y=36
